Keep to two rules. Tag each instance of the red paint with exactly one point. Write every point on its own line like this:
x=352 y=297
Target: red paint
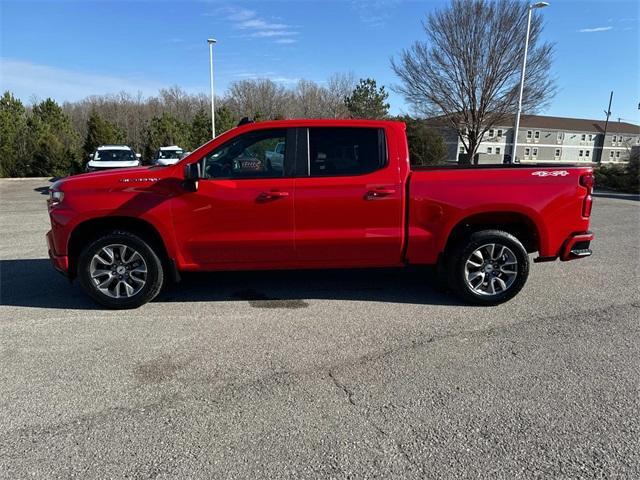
x=320 y=222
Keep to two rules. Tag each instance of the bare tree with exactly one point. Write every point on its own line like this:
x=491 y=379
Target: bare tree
x=339 y=86
x=468 y=69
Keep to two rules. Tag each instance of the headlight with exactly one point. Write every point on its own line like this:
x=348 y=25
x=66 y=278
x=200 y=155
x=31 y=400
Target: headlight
x=55 y=195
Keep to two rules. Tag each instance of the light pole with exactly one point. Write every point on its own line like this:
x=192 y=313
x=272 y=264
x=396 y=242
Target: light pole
x=211 y=41
x=524 y=67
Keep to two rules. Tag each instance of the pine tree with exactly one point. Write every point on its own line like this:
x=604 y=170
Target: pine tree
x=13 y=135
x=367 y=100
x=101 y=132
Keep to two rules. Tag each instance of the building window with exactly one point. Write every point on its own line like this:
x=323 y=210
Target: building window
x=535 y=152
x=537 y=135
x=527 y=152
x=497 y=150
x=557 y=153
x=611 y=154
x=581 y=153
x=529 y=134
x=586 y=154
x=618 y=154
x=560 y=136
x=461 y=149
x=491 y=133
x=489 y=150
x=583 y=137
x=499 y=133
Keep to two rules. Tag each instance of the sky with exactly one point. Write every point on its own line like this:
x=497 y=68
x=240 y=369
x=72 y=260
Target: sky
x=68 y=50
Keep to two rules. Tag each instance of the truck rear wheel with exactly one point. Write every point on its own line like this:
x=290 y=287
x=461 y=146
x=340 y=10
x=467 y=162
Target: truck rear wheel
x=120 y=270
x=489 y=267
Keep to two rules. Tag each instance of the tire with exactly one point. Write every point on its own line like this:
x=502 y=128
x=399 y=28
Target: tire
x=482 y=276
x=125 y=266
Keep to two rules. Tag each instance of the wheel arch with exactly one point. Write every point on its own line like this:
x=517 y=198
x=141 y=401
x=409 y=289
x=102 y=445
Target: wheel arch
x=517 y=224
x=93 y=228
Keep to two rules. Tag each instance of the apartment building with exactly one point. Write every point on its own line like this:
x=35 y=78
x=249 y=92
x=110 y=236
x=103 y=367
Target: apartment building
x=551 y=139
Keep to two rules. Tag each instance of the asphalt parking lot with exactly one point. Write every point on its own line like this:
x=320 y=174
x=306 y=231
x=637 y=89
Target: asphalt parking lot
x=328 y=374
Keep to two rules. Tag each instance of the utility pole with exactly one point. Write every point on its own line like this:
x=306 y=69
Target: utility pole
x=606 y=124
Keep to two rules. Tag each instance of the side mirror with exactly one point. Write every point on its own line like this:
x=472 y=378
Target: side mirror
x=91 y=156
x=138 y=156
x=192 y=174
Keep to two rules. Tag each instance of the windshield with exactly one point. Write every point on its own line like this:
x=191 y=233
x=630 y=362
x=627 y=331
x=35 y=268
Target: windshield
x=114 y=156
x=166 y=154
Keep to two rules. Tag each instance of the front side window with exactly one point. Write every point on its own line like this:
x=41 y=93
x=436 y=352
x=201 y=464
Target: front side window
x=345 y=151
x=253 y=155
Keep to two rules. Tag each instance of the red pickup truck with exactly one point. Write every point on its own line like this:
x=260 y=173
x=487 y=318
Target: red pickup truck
x=343 y=196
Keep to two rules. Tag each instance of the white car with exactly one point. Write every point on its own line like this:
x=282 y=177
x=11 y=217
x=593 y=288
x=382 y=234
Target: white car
x=275 y=158
x=112 y=156
x=168 y=155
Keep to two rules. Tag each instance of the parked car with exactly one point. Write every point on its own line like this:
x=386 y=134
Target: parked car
x=275 y=157
x=112 y=156
x=168 y=155
x=358 y=203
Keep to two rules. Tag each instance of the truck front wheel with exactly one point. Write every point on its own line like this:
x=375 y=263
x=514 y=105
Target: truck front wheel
x=120 y=270
x=488 y=267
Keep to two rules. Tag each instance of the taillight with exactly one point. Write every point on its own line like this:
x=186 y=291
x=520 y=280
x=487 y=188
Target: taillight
x=588 y=181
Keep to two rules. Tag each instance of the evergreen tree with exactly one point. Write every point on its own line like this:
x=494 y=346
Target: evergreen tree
x=13 y=137
x=367 y=100
x=101 y=132
x=164 y=131
x=224 y=119
x=426 y=145
x=200 y=129
x=53 y=143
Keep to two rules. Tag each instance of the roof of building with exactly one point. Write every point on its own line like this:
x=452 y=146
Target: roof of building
x=561 y=123
x=577 y=124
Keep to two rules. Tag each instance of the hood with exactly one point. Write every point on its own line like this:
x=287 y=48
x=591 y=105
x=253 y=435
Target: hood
x=119 y=178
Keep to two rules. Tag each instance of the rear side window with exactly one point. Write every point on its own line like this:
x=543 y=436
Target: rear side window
x=346 y=151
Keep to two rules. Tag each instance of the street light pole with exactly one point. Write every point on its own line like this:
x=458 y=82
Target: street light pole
x=211 y=41
x=522 y=74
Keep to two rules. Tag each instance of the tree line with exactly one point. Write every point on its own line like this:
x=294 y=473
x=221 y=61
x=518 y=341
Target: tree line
x=466 y=71
x=48 y=139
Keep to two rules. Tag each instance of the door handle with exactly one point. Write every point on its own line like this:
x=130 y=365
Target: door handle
x=272 y=195
x=380 y=192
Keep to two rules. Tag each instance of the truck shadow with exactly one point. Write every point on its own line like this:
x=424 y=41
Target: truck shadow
x=34 y=283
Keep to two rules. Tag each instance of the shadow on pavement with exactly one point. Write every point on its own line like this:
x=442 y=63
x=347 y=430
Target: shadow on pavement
x=34 y=283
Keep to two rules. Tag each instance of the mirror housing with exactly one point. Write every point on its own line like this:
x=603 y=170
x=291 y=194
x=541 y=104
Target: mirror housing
x=91 y=156
x=138 y=156
x=192 y=173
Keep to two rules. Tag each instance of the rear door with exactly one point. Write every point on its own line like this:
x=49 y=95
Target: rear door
x=348 y=198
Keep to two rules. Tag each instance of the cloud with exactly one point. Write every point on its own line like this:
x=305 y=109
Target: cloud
x=256 y=26
x=595 y=29
x=374 y=13
x=26 y=79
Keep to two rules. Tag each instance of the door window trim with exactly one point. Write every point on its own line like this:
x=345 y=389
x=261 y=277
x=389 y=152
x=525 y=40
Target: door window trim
x=288 y=160
x=303 y=163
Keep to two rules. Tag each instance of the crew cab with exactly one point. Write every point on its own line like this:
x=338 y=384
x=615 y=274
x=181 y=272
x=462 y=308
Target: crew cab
x=344 y=197
x=112 y=156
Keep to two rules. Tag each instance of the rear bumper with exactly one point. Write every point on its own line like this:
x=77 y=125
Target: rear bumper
x=577 y=246
x=60 y=262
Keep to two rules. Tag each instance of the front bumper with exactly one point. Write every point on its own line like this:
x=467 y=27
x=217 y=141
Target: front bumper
x=60 y=262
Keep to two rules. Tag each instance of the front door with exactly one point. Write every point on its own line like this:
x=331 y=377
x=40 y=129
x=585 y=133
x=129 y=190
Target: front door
x=242 y=213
